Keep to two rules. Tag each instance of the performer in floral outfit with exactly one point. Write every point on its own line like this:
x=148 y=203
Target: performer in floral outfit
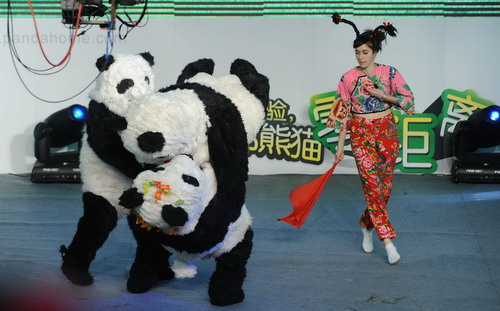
x=368 y=93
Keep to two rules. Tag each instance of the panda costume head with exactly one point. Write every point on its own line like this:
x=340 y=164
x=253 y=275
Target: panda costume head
x=173 y=195
x=123 y=78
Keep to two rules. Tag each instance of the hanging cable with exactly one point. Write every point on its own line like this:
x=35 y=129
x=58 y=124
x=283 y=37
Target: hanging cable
x=12 y=46
x=15 y=56
x=46 y=100
x=80 y=8
x=131 y=24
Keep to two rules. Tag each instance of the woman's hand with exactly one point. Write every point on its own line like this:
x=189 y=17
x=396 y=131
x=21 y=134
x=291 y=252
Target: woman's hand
x=378 y=93
x=330 y=123
x=339 y=155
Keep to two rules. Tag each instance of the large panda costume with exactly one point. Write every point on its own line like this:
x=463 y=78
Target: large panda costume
x=107 y=168
x=212 y=120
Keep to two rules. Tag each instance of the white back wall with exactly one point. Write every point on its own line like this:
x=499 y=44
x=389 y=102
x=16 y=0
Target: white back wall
x=301 y=56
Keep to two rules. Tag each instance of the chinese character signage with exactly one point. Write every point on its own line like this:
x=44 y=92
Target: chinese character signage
x=425 y=137
x=281 y=139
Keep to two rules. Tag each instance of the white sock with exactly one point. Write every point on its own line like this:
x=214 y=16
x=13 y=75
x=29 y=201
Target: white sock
x=367 y=240
x=392 y=253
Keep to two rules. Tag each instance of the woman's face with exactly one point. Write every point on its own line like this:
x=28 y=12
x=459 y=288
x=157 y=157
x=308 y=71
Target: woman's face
x=365 y=56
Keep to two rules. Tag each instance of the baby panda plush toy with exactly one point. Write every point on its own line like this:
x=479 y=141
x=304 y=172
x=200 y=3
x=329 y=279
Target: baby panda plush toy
x=211 y=119
x=170 y=198
x=107 y=168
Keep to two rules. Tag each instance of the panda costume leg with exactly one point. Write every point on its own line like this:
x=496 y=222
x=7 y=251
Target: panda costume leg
x=101 y=189
x=98 y=220
x=225 y=287
x=150 y=264
x=226 y=282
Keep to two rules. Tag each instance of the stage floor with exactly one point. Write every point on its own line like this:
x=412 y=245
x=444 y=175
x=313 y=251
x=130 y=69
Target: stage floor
x=448 y=238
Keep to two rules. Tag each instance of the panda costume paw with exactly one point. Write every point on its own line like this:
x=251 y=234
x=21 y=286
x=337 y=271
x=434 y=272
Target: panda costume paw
x=131 y=198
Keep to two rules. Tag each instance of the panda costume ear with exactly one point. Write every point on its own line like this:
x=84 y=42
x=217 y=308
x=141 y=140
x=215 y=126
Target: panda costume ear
x=149 y=58
x=104 y=62
x=253 y=81
x=205 y=65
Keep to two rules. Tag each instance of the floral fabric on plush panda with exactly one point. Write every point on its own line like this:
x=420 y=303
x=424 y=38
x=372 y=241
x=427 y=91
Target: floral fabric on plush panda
x=179 y=184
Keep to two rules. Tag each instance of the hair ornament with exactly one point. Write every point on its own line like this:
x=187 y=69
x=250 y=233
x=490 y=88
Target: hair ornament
x=388 y=28
x=338 y=19
x=374 y=38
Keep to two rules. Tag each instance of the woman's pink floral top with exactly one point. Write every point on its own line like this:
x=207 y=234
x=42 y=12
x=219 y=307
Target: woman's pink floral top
x=354 y=99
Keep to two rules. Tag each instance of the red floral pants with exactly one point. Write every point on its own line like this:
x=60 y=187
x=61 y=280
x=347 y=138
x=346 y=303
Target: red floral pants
x=375 y=144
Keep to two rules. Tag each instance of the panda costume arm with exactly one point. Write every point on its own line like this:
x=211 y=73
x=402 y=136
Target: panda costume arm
x=102 y=130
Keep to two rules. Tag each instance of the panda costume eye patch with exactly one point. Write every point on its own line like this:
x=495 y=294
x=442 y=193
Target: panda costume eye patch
x=151 y=141
x=124 y=85
x=190 y=180
x=157 y=169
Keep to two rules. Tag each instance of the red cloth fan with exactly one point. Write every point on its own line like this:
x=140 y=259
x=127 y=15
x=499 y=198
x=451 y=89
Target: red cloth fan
x=304 y=197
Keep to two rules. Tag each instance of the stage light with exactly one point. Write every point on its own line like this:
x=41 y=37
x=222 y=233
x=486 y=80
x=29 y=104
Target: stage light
x=55 y=150
x=79 y=113
x=484 y=127
x=476 y=147
x=494 y=115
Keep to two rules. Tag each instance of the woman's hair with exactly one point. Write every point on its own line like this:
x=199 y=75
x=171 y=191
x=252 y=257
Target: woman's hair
x=373 y=38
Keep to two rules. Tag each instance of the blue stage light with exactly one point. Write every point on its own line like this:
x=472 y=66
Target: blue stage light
x=60 y=130
x=481 y=130
x=495 y=115
x=475 y=146
x=79 y=112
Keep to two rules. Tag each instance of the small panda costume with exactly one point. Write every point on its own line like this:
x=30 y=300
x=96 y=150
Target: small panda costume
x=171 y=198
x=107 y=168
x=213 y=120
